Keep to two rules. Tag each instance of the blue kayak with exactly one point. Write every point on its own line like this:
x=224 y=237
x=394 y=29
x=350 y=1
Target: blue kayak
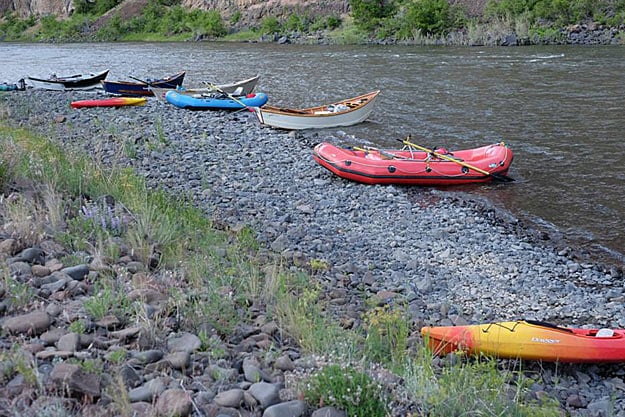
x=215 y=101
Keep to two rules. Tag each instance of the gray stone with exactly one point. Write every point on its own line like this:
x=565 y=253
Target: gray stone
x=179 y=360
x=147 y=391
x=78 y=272
x=229 y=398
x=8 y=246
x=266 y=394
x=186 y=342
x=32 y=255
x=72 y=378
x=174 y=403
x=69 y=342
x=52 y=336
x=20 y=269
x=284 y=363
x=296 y=408
x=328 y=412
x=252 y=371
x=34 y=323
x=148 y=356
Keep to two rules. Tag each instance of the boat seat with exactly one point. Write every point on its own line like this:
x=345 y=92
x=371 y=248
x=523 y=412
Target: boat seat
x=605 y=333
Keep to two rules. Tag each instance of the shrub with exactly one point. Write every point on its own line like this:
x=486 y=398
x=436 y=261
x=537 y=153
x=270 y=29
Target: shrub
x=208 y=23
x=270 y=25
x=387 y=331
x=347 y=389
x=96 y=8
x=431 y=17
x=13 y=28
x=296 y=23
x=368 y=14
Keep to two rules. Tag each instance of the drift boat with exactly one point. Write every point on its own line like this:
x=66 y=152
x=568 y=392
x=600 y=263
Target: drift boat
x=345 y=112
x=110 y=102
x=142 y=88
x=217 y=101
x=71 y=82
x=416 y=165
x=531 y=340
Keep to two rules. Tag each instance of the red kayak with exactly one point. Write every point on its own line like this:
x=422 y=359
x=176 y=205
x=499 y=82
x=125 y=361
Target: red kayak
x=415 y=165
x=110 y=102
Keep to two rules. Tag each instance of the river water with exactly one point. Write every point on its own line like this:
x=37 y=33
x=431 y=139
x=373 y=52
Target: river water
x=561 y=109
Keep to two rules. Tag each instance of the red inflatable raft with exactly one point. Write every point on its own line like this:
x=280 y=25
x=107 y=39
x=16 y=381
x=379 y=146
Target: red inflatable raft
x=416 y=165
x=110 y=102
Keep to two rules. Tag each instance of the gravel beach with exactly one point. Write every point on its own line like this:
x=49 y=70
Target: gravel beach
x=454 y=258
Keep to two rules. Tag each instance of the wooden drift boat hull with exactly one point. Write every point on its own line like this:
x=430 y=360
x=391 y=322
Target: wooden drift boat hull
x=413 y=167
x=346 y=112
x=218 y=103
x=529 y=340
x=72 y=82
x=110 y=102
x=237 y=88
x=127 y=88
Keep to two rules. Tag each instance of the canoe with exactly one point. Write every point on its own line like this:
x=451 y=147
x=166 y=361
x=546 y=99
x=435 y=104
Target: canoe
x=530 y=340
x=215 y=102
x=341 y=113
x=109 y=102
x=415 y=167
x=70 y=82
x=129 y=88
x=237 y=88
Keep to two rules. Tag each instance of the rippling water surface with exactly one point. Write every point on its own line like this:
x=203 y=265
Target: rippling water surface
x=560 y=109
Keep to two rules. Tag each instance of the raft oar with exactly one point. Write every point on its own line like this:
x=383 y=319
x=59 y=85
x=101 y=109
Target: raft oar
x=499 y=177
x=140 y=80
x=230 y=96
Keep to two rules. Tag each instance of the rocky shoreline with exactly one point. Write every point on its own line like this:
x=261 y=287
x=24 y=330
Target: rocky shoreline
x=579 y=34
x=452 y=258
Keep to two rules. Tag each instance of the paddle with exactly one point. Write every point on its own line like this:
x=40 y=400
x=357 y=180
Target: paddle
x=499 y=177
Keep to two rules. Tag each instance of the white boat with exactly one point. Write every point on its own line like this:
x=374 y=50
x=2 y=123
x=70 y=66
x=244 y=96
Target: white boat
x=342 y=113
x=71 y=82
x=237 y=88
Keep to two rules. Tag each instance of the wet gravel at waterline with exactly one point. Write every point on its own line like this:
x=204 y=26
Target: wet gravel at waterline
x=454 y=258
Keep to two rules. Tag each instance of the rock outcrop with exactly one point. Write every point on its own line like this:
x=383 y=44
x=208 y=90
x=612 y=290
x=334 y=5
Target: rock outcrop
x=26 y=8
x=249 y=10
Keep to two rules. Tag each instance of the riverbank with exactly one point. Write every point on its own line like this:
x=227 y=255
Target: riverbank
x=453 y=259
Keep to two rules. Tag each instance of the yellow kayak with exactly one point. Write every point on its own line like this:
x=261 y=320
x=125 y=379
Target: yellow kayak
x=110 y=102
x=532 y=340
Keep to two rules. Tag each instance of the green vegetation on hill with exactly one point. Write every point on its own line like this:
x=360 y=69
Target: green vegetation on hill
x=407 y=19
x=401 y=20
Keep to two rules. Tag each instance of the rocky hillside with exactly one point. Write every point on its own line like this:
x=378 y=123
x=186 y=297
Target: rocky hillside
x=256 y=10
x=251 y=10
x=26 y=8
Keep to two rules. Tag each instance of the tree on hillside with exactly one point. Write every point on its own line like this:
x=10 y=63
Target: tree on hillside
x=368 y=13
x=95 y=8
x=431 y=17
